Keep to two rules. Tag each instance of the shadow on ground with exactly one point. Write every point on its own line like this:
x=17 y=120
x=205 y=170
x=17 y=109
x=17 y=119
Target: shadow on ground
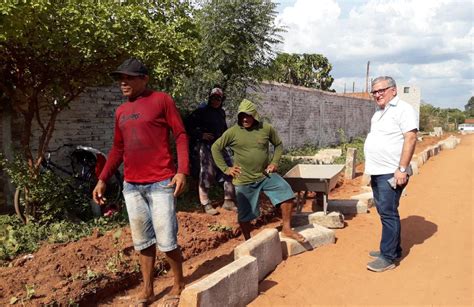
x=416 y=230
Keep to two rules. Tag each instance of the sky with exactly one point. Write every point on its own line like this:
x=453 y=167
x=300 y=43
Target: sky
x=422 y=43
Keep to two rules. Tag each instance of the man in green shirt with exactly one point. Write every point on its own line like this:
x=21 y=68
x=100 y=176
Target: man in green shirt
x=253 y=171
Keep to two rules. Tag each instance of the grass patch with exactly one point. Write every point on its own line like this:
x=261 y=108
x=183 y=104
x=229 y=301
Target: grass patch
x=17 y=238
x=219 y=227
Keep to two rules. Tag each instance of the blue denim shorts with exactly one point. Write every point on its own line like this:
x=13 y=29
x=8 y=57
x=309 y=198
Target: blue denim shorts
x=152 y=214
x=274 y=186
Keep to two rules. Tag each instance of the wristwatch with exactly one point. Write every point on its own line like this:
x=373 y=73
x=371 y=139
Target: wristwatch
x=402 y=169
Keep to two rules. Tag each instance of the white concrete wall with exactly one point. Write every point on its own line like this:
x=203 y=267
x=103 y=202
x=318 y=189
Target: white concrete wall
x=413 y=97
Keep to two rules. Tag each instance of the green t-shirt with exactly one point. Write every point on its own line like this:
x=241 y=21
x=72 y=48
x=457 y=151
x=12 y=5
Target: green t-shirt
x=251 y=150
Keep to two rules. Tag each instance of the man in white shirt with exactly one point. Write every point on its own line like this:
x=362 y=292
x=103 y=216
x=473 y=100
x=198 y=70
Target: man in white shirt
x=388 y=150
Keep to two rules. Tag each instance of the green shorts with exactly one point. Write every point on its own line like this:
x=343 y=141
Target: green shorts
x=275 y=187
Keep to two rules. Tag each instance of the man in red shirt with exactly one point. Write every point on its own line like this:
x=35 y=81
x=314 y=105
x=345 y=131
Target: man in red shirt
x=151 y=180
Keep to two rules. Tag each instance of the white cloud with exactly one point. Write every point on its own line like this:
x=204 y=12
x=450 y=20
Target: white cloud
x=389 y=69
x=451 y=69
x=410 y=40
x=311 y=20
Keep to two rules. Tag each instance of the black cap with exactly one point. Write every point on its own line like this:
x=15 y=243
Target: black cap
x=131 y=67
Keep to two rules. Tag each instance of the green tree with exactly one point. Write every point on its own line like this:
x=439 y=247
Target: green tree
x=237 y=38
x=469 y=107
x=431 y=117
x=309 y=70
x=427 y=115
x=50 y=51
x=450 y=118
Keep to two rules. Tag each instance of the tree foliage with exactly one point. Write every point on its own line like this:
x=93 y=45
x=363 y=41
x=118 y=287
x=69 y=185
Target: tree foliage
x=469 y=107
x=50 y=51
x=448 y=119
x=236 y=44
x=309 y=70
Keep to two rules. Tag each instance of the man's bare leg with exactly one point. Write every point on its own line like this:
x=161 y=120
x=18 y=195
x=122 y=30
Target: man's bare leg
x=245 y=227
x=176 y=262
x=286 y=211
x=147 y=266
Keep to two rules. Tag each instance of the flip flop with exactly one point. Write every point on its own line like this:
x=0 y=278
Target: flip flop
x=170 y=301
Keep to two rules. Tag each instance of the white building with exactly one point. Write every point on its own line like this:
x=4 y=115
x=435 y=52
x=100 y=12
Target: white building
x=410 y=94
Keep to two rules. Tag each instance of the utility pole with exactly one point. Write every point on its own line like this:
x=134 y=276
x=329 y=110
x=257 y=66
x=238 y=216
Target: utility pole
x=367 y=78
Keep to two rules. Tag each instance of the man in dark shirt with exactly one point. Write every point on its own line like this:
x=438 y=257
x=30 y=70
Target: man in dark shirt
x=205 y=125
x=152 y=182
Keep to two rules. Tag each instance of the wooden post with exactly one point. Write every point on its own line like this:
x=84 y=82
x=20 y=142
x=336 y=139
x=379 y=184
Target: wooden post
x=349 y=172
x=367 y=78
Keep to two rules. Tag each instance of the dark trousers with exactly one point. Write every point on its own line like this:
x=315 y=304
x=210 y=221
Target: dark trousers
x=387 y=201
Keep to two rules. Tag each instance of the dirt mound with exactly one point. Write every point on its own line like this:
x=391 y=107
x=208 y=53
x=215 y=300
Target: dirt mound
x=100 y=264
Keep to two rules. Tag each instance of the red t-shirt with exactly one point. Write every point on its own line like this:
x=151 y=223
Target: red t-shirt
x=141 y=140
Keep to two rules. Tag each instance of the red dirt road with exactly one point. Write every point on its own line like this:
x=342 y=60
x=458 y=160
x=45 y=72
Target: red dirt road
x=437 y=238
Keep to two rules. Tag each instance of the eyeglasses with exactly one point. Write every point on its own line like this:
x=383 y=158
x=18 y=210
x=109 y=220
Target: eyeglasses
x=380 y=91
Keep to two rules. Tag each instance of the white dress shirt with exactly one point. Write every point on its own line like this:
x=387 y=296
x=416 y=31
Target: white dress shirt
x=384 y=143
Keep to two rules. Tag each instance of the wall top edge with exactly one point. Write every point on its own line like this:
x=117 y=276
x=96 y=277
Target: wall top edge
x=307 y=89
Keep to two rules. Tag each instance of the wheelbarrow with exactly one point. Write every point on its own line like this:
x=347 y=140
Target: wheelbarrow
x=314 y=178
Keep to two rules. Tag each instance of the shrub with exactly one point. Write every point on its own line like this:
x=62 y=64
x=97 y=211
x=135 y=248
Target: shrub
x=357 y=143
x=305 y=150
x=47 y=197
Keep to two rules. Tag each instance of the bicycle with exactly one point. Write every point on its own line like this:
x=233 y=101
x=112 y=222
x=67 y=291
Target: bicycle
x=85 y=165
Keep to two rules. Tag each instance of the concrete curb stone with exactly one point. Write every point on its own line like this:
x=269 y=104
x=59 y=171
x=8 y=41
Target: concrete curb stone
x=333 y=220
x=348 y=206
x=316 y=236
x=265 y=247
x=236 y=284
x=367 y=197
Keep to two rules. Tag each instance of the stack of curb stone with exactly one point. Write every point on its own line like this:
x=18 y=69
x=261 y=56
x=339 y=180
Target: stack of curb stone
x=324 y=156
